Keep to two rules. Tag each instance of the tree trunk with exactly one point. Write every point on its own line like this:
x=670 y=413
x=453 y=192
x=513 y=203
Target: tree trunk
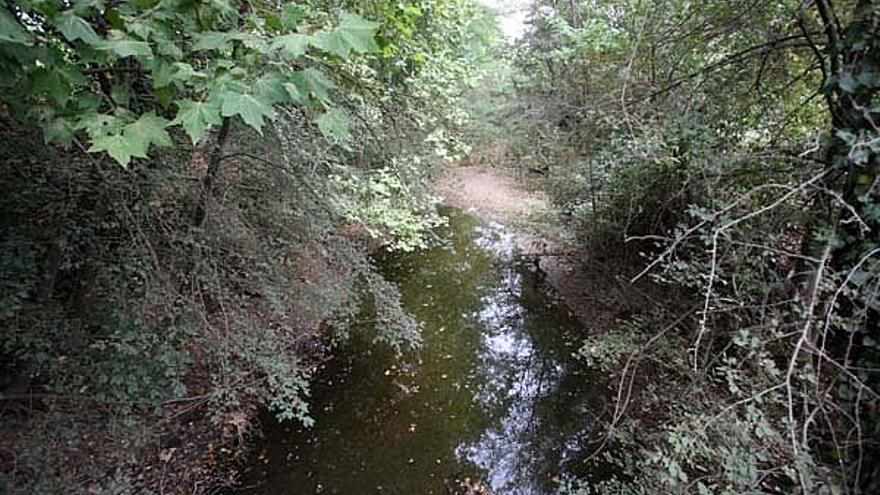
x=211 y=174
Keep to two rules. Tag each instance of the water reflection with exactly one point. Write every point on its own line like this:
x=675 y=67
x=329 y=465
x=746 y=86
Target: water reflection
x=494 y=394
x=517 y=377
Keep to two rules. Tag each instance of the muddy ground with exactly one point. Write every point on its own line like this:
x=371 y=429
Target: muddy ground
x=598 y=294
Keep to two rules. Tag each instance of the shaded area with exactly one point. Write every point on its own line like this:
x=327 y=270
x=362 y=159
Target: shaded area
x=494 y=394
x=596 y=288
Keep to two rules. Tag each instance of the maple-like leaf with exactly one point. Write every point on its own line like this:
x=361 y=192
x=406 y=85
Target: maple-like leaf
x=354 y=34
x=312 y=81
x=335 y=124
x=11 y=31
x=251 y=109
x=196 y=116
x=74 y=27
x=123 y=46
x=291 y=46
x=119 y=148
x=149 y=129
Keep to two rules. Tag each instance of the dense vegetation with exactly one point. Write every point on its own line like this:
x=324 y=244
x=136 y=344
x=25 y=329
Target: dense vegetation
x=191 y=190
x=734 y=145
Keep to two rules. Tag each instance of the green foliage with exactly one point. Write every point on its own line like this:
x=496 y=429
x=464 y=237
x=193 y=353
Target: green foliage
x=354 y=34
x=719 y=142
x=63 y=68
x=383 y=203
x=131 y=140
x=249 y=107
x=202 y=280
x=334 y=124
x=196 y=117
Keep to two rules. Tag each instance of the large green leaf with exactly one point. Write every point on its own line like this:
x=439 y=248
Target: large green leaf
x=59 y=130
x=291 y=14
x=354 y=34
x=74 y=27
x=149 y=129
x=119 y=147
x=294 y=92
x=52 y=83
x=335 y=124
x=133 y=140
x=251 y=109
x=123 y=46
x=98 y=124
x=292 y=46
x=162 y=73
x=142 y=30
x=196 y=116
x=185 y=73
x=270 y=88
x=165 y=73
x=218 y=40
x=255 y=42
x=313 y=82
x=11 y=31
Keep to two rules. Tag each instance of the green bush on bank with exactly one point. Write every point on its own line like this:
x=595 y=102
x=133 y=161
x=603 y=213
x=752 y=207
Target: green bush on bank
x=157 y=305
x=730 y=145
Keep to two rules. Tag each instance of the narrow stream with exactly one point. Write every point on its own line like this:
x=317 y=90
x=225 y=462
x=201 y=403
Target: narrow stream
x=494 y=395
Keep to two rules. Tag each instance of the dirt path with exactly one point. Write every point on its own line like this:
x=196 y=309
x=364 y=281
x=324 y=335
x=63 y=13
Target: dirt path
x=594 y=295
x=489 y=193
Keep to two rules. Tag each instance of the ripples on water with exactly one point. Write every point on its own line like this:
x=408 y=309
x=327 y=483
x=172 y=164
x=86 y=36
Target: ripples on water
x=494 y=394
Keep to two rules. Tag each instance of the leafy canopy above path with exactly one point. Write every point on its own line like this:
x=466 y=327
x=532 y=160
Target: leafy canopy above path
x=121 y=74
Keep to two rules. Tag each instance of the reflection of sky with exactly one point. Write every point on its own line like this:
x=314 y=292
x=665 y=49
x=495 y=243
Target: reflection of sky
x=494 y=238
x=494 y=394
x=516 y=378
x=512 y=15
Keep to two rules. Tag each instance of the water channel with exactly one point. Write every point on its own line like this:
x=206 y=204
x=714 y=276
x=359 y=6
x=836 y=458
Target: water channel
x=494 y=396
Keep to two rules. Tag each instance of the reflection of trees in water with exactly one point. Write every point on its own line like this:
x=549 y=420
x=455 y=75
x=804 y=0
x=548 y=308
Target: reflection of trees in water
x=492 y=379
x=521 y=391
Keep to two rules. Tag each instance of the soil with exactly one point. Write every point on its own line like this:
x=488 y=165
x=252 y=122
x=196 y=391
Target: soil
x=489 y=193
x=588 y=286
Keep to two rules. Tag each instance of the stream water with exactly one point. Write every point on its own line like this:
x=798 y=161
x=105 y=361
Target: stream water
x=494 y=395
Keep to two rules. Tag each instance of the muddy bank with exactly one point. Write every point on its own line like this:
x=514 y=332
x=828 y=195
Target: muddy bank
x=598 y=296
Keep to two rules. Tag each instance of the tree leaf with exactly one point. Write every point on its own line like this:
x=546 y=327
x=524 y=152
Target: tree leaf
x=251 y=109
x=354 y=34
x=11 y=31
x=98 y=124
x=74 y=27
x=255 y=42
x=123 y=47
x=291 y=14
x=162 y=73
x=140 y=29
x=186 y=73
x=134 y=140
x=335 y=124
x=121 y=94
x=51 y=82
x=215 y=40
x=292 y=46
x=270 y=88
x=294 y=93
x=119 y=147
x=59 y=130
x=196 y=116
x=313 y=82
x=149 y=128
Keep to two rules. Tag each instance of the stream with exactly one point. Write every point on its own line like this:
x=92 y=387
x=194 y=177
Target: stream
x=494 y=396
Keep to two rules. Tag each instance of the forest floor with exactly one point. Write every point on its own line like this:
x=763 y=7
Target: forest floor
x=597 y=294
